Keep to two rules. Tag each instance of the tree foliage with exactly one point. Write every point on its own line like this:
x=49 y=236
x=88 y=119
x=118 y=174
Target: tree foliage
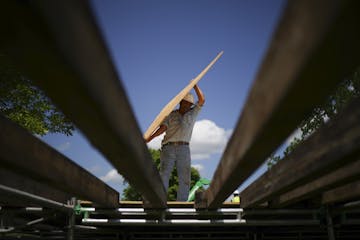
x=27 y=105
x=344 y=93
x=130 y=193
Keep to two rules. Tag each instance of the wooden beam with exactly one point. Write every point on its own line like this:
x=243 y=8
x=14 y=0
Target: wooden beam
x=348 y=192
x=26 y=184
x=19 y=195
x=59 y=46
x=334 y=145
x=314 y=47
x=26 y=155
x=341 y=176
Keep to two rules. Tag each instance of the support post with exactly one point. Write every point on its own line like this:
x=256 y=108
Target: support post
x=71 y=221
x=200 y=202
x=329 y=225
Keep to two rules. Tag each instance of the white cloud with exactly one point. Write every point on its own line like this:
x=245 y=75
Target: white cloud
x=199 y=156
x=296 y=134
x=37 y=135
x=156 y=142
x=63 y=147
x=94 y=169
x=112 y=177
x=207 y=139
x=326 y=118
x=199 y=167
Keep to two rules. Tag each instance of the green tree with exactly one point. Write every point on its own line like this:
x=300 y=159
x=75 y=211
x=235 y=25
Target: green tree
x=130 y=193
x=347 y=90
x=27 y=105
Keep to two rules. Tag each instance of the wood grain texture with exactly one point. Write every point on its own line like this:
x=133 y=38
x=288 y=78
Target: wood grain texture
x=173 y=102
x=336 y=178
x=59 y=46
x=314 y=47
x=334 y=145
x=21 y=182
x=347 y=192
x=25 y=155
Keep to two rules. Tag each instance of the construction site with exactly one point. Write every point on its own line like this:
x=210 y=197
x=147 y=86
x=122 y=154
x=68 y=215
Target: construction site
x=314 y=193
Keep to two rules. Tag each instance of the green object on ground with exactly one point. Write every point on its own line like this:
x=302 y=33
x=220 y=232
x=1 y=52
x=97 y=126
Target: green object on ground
x=202 y=182
x=77 y=209
x=80 y=210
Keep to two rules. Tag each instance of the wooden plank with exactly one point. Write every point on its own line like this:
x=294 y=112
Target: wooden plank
x=170 y=204
x=341 y=176
x=348 y=192
x=26 y=155
x=58 y=45
x=173 y=102
x=33 y=199
x=332 y=146
x=26 y=184
x=314 y=47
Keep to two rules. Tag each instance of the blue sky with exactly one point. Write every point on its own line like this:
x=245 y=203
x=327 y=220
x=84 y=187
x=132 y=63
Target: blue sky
x=158 y=46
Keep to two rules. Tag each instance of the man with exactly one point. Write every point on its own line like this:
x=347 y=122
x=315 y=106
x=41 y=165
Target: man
x=178 y=127
x=236 y=198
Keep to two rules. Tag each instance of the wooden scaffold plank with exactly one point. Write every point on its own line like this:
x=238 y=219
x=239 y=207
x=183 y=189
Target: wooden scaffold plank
x=336 y=178
x=334 y=145
x=20 y=182
x=314 y=47
x=17 y=196
x=348 y=192
x=24 y=154
x=59 y=46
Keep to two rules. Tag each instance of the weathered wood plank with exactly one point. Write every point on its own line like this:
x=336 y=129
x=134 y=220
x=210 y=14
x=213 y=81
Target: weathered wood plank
x=58 y=45
x=341 y=176
x=26 y=184
x=334 y=145
x=314 y=47
x=22 y=196
x=26 y=155
x=348 y=192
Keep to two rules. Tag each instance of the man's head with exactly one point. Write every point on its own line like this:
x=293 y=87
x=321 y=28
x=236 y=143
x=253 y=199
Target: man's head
x=187 y=102
x=236 y=192
x=189 y=98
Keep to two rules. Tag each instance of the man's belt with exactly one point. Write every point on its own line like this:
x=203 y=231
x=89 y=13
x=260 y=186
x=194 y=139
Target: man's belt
x=175 y=143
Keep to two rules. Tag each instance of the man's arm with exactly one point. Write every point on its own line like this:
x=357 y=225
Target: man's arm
x=200 y=95
x=158 y=132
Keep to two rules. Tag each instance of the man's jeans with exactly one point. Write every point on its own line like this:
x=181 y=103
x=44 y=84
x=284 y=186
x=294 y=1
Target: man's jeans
x=181 y=155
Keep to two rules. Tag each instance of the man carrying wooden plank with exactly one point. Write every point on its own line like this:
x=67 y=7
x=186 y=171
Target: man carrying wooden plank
x=178 y=127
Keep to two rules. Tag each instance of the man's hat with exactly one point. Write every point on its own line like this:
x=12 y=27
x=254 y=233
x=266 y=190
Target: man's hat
x=189 y=98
